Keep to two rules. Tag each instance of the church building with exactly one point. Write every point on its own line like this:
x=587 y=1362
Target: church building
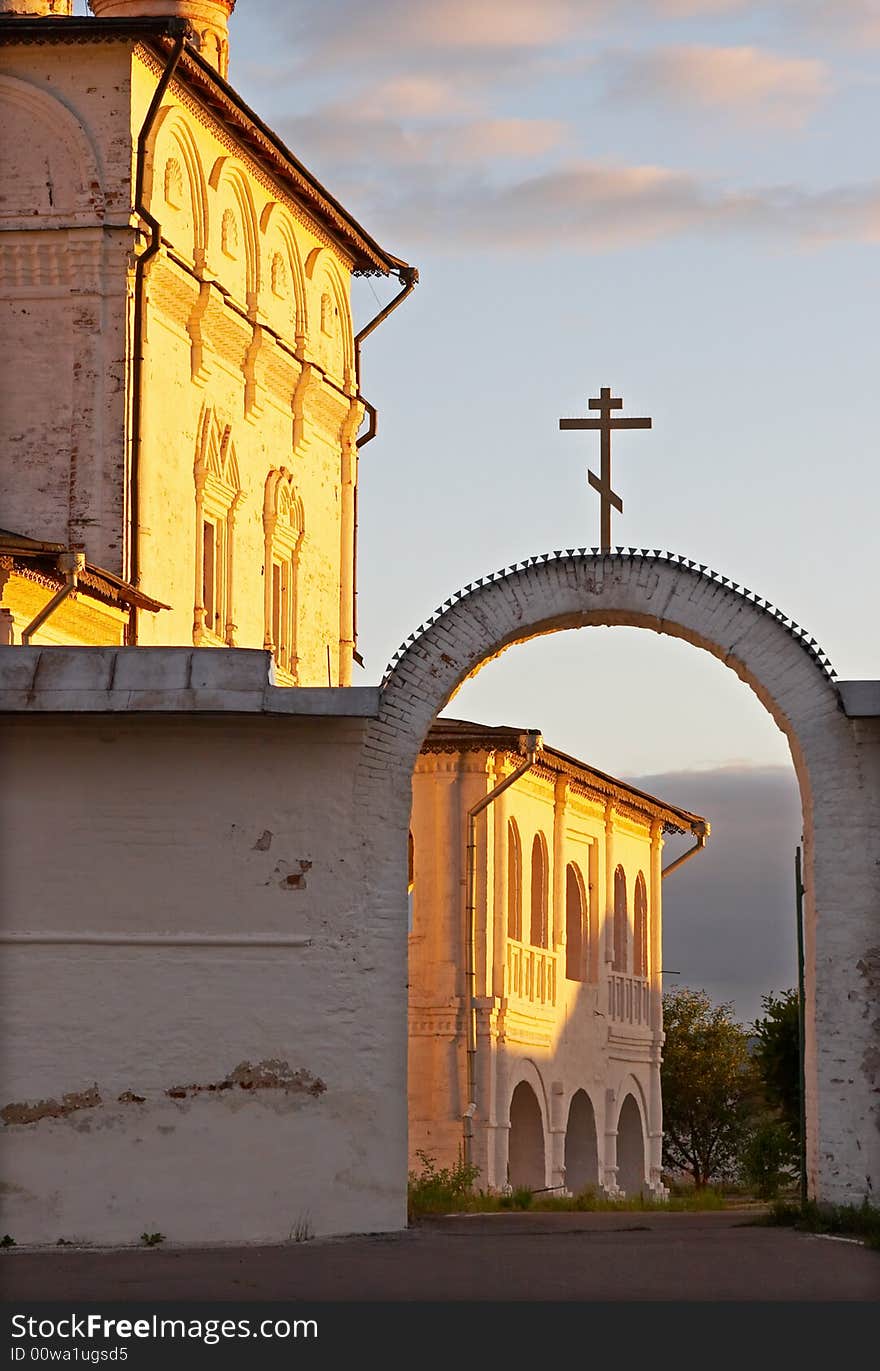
x=180 y=411
x=547 y=901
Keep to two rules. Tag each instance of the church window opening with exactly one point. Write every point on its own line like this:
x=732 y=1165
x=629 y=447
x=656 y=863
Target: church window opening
x=410 y=879
x=576 y=940
x=211 y=591
x=218 y=495
x=539 y=929
x=640 y=927
x=283 y=530
x=620 y=920
x=514 y=882
x=327 y=313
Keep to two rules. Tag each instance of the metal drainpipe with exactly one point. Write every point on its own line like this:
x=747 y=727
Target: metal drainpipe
x=409 y=277
x=702 y=839
x=533 y=745
x=152 y=248
x=70 y=564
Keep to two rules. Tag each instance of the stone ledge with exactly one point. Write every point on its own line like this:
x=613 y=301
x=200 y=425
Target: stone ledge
x=860 y=699
x=174 y=680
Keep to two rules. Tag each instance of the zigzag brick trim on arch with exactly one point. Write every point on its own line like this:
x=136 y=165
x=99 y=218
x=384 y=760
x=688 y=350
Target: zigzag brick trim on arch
x=624 y=554
x=785 y=668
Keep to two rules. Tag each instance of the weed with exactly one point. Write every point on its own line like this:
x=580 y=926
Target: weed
x=302 y=1230
x=441 y=1190
x=520 y=1198
x=858 y=1221
x=152 y=1239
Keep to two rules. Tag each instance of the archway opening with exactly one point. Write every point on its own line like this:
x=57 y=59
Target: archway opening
x=790 y=678
x=630 y=1149
x=581 y=1146
x=525 y=1151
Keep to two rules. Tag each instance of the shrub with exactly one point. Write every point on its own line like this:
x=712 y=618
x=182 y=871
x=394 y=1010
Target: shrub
x=440 y=1190
x=769 y=1158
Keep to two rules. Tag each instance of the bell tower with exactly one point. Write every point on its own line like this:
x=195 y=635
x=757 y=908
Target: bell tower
x=209 y=19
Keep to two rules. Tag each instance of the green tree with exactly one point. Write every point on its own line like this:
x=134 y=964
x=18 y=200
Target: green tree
x=708 y=1084
x=777 y=1056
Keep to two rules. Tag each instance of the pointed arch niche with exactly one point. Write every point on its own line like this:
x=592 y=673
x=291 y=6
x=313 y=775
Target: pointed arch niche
x=577 y=925
x=218 y=497
x=514 y=882
x=539 y=930
x=640 y=927
x=283 y=528
x=621 y=916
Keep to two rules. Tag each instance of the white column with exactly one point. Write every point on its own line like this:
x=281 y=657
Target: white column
x=556 y=1141
x=655 y=967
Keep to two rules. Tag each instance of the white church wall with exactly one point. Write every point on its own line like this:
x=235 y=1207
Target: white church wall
x=204 y=1027
x=65 y=156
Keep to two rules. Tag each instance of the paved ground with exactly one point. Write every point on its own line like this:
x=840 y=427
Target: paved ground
x=605 y=1256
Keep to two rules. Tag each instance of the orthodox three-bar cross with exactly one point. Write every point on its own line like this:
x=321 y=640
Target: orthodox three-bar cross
x=605 y=402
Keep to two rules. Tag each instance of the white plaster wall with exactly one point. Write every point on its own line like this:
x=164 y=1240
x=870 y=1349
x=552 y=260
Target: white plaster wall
x=156 y=826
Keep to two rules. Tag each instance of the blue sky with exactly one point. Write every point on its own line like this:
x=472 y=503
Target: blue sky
x=676 y=198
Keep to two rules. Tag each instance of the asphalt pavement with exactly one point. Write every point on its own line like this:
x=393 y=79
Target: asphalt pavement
x=610 y=1256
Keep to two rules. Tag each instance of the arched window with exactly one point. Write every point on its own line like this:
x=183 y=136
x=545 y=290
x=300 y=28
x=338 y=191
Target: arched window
x=640 y=927
x=410 y=878
x=218 y=496
x=539 y=929
x=514 y=882
x=576 y=933
x=283 y=531
x=620 y=920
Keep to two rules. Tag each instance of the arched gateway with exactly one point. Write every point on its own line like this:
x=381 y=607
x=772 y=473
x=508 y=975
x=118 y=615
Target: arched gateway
x=794 y=682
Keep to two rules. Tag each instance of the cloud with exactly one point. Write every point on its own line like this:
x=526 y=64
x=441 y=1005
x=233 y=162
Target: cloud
x=728 y=915
x=854 y=20
x=414 y=96
x=359 y=140
x=748 y=82
x=351 y=28
x=596 y=207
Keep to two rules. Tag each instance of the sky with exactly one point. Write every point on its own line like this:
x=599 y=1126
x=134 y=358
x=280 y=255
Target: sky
x=676 y=198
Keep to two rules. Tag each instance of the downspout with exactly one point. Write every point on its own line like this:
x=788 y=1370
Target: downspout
x=408 y=277
x=702 y=838
x=152 y=248
x=70 y=564
x=533 y=745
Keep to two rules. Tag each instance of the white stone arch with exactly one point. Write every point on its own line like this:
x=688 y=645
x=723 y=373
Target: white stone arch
x=526 y=1069
x=322 y=269
x=70 y=191
x=523 y=1071
x=276 y=226
x=633 y=1153
x=173 y=133
x=228 y=175
x=582 y=1170
x=792 y=679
